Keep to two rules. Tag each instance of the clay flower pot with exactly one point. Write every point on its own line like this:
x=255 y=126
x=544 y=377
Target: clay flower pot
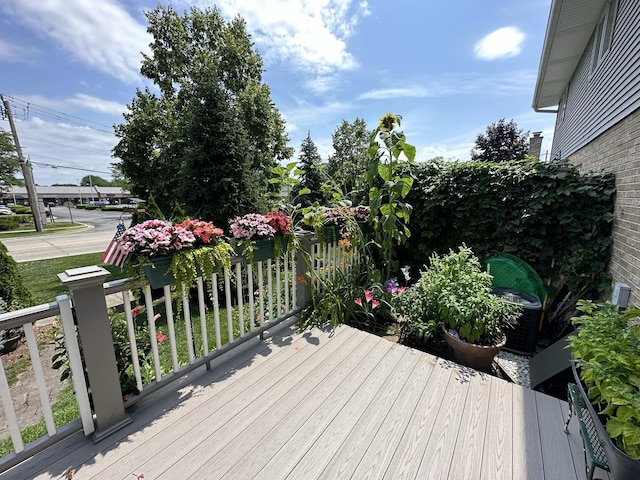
x=479 y=357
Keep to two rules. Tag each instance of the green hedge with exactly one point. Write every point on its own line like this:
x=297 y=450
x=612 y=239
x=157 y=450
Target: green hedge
x=13 y=292
x=8 y=222
x=544 y=213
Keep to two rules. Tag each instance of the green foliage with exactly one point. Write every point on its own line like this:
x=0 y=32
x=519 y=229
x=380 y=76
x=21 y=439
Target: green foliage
x=503 y=142
x=9 y=165
x=94 y=180
x=211 y=136
x=13 y=291
x=607 y=350
x=389 y=184
x=9 y=222
x=455 y=292
x=311 y=178
x=537 y=211
x=349 y=161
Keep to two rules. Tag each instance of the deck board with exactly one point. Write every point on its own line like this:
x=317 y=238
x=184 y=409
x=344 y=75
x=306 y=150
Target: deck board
x=331 y=406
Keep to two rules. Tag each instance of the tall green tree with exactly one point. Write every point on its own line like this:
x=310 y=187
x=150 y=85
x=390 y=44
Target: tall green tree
x=212 y=122
x=94 y=180
x=502 y=142
x=9 y=165
x=309 y=162
x=349 y=161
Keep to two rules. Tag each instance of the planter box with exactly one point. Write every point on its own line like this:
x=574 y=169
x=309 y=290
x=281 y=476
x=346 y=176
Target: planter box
x=158 y=274
x=621 y=465
x=263 y=250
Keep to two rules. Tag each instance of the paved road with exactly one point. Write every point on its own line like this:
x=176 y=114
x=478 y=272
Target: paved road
x=101 y=227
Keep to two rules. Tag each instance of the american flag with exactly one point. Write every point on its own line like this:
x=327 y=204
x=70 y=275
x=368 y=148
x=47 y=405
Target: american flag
x=114 y=255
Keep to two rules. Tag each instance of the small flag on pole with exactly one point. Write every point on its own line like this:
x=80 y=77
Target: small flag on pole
x=114 y=255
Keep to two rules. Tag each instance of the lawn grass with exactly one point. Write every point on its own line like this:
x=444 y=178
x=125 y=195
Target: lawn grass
x=27 y=230
x=65 y=410
x=41 y=276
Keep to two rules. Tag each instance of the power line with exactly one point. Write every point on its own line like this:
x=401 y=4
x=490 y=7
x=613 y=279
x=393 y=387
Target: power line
x=28 y=107
x=63 y=145
x=55 y=165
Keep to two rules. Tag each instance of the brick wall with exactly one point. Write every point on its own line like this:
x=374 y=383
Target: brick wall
x=618 y=151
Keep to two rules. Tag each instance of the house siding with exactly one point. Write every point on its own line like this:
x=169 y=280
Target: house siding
x=618 y=151
x=598 y=100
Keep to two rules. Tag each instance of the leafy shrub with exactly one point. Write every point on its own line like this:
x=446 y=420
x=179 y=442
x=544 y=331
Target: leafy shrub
x=12 y=290
x=607 y=350
x=9 y=222
x=537 y=211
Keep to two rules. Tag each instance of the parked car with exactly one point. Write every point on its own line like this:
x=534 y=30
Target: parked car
x=5 y=210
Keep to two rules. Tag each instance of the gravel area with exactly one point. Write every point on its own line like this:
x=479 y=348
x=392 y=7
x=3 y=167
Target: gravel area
x=516 y=367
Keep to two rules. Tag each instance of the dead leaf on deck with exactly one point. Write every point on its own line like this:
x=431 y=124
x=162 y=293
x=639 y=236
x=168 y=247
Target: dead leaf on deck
x=69 y=474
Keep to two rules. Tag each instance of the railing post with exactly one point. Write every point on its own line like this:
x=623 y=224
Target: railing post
x=94 y=329
x=303 y=280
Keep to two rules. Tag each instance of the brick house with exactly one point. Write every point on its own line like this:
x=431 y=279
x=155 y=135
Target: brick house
x=589 y=77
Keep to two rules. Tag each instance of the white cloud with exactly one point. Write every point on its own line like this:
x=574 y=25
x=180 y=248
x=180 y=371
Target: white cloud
x=311 y=34
x=98 y=104
x=502 y=43
x=465 y=83
x=386 y=93
x=100 y=34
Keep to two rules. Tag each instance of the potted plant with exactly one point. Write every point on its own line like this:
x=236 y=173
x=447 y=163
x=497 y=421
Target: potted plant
x=455 y=297
x=606 y=352
x=168 y=253
x=259 y=237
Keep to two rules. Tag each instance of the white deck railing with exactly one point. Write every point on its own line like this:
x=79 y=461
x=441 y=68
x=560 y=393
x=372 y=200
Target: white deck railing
x=218 y=315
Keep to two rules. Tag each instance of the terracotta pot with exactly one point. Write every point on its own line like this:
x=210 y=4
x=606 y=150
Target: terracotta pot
x=479 y=357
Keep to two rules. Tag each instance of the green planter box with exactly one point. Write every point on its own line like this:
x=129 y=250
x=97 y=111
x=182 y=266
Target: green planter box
x=158 y=274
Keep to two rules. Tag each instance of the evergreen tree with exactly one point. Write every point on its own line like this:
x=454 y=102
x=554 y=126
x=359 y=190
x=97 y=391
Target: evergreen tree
x=212 y=113
x=502 y=142
x=309 y=162
x=348 y=164
x=9 y=165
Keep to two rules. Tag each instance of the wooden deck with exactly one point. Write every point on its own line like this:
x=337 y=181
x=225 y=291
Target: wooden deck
x=347 y=405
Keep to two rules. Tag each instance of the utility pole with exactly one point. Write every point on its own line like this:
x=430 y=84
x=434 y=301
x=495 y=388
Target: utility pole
x=27 y=173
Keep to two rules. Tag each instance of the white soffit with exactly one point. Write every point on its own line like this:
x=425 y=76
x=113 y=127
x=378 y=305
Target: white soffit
x=569 y=28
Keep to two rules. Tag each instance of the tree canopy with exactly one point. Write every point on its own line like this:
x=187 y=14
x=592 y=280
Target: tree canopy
x=309 y=162
x=209 y=139
x=349 y=161
x=9 y=165
x=501 y=143
x=94 y=180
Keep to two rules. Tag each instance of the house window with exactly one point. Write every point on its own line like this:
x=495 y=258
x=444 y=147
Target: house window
x=563 y=103
x=603 y=34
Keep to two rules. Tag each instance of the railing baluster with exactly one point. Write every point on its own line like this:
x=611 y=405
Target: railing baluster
x=148 y=300
x=203 y=316
x=239 y=297
x=39 y=374
x=10 y=412
x=278 y=289
x=216 y=309
x=270 y=288
x=186 y=314
x=252 y=309
x=261 y=292
x=227 y=293
x=171 y=327
x=75 y=363
x=286 y=281
x=126 y=301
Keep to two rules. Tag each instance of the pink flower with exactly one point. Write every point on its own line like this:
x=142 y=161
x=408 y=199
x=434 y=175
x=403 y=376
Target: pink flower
x=375 y=303
x=368 y=295
x=161 y=337
x=358 y=301
x=135 y=312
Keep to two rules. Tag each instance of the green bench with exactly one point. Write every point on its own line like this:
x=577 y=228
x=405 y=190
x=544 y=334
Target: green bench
x=593 y=451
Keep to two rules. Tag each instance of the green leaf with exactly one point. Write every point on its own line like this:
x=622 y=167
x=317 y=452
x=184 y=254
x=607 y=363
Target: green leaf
x=304 y=191
x=385 y=171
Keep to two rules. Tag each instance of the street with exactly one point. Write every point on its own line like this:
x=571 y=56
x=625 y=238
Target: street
x=101 y=227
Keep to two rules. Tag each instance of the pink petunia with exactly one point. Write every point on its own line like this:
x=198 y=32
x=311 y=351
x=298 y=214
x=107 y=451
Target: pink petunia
x=135 y=312
x=368 y=295
x=375 y=303
x=358 y=301
x=161 y=337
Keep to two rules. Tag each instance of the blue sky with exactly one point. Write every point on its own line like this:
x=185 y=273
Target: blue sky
x=450 y=69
